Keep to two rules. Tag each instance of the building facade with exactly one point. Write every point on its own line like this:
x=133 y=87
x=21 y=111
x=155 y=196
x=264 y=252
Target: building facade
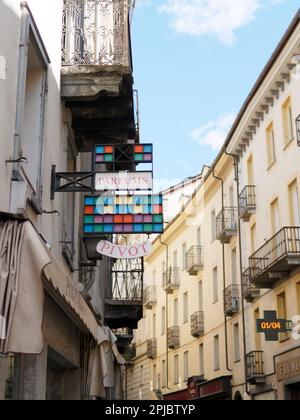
x=231 y=256
x=65 y=86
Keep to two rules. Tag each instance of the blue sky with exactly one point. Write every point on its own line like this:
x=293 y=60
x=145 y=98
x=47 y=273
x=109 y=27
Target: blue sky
x=195 y=62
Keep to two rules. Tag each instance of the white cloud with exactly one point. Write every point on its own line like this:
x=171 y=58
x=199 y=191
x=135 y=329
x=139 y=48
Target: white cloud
x=213 y=134
x=217 y=18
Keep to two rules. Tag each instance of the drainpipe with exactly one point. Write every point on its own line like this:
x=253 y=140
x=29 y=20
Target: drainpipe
x=237 y=179
x=224 y=277
x=167 y=313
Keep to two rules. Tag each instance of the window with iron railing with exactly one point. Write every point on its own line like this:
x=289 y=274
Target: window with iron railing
x=96 y=32
x=255 y=364
x=227 y=220
x=127 y=281
x=247 y=198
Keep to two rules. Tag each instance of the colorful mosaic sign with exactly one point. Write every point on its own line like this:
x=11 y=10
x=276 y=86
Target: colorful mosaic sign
x=123 y=214
x=135 y=153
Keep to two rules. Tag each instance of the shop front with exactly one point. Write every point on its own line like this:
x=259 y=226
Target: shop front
x=217 y=389
x=288 y=375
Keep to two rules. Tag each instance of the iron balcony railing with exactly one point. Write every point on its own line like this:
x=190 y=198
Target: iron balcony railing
x=197 y=324
x=247 y=201
x=255 y=367
x=96 y=32
x=277 y=254
x=231 y=300
x=194 y=259
x=171 y=279
x=127 y=282
x=250 y=292
x=150 y=298
x=152 y=348
x=227 y=222
x=173 y=338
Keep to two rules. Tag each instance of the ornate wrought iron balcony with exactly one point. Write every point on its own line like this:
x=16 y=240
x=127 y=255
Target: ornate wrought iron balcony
x=171 y=280
x=255 y=368
x=194 y=260
x=124 y=302
x=173 y=338
x=247 y=201
x=197 y=324
x=231 y=300
x=250 y=292
x=227 y=224
x=276 y=258
x=150 y=298
x=152 y=348
x=96 y=32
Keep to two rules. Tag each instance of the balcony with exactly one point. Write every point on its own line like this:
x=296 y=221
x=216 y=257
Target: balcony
x=247 y=202
x=197 y=324
x=97 y=82
x=194 y=260
x=250 y=292
x=150 y=298
x=255 y=368
x=171 y=280
x=173 y=338
x=152 y=349
x=276 y=259
x=124 y=338
x=227 y=224
x=124 y=302
x=231 y=300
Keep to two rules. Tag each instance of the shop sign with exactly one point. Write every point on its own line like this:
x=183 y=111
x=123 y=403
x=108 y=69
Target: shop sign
x=288 y=369
x=123 y=181
x=271 y=326
x=124 y=251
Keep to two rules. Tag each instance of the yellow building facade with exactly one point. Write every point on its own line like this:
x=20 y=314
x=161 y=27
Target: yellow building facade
x=230 y=256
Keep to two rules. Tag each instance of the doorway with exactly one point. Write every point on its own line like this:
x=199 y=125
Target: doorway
x=293 y=392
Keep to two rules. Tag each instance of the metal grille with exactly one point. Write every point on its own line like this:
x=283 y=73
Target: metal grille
x=231 y=299
x=173 y=338
x=171 y=277
x=247 y=198
x=150 y=295
x=96 y=32
x=127 y=281
x=194 y=257
x=255 y=364
x=197 y=324
x=227 y=220
x=286 y=243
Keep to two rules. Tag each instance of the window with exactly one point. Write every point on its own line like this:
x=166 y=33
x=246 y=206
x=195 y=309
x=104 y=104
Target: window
x=186 y=366
x=68 y=213
x=154 y=278
x=199 y=237
x=175 y=259
x=164 y=374
x=275 y=217
x=163 y=320
x=282 y=313
x=176 y=321
x=294 y=203
x=185 y=308
x=30 y=113
x=271 y=145
x=154 y=326
x=213 y=222
x=236 y=343
x=250 y=171
x=141 y=375
x=234 y=267
x=253 y=238
x=288 y=122
x=184 y=256
x=201 y=360
x=200 y=293
x=217 y=352
x=257 y=335
x=176 y=370
x=215 y=285
x=231 y=196
x=154 y=378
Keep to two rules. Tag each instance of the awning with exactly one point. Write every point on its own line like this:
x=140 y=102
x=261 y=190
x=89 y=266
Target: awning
x=24 y=258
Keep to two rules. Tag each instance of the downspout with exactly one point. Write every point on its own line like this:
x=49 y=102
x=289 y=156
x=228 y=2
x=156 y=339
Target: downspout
x=237 y=179
x=224 y=277
x=167 y=314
